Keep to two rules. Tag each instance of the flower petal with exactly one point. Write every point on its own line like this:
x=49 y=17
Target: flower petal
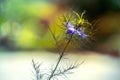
x=70 y=28
x=80 y=33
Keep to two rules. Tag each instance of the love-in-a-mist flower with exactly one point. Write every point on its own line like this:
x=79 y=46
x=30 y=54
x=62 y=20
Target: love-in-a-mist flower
x=70 y=28
x=73 y=30
x=77 y=26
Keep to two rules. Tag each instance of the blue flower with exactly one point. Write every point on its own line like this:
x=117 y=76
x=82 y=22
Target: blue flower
x=72 y=30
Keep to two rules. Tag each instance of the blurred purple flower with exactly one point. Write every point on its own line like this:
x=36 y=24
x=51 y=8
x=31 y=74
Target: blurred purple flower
x=72 y=30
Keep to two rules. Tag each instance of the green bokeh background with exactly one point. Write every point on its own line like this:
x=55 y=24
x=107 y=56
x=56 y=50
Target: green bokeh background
x=21 y=27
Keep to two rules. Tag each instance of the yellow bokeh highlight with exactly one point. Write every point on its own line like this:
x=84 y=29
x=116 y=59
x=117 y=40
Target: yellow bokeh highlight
x=26 y=38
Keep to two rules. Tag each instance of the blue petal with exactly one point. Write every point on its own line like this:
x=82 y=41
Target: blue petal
x=69 y=25
x=82 y=34
x=70 y=28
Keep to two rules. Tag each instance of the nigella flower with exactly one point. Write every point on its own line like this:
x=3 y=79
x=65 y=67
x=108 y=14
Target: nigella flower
x=72 y=30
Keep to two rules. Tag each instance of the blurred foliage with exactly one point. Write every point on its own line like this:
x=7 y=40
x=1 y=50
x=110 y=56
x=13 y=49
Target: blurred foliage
x=20 y=20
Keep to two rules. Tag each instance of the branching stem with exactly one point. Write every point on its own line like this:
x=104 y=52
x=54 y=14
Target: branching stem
x=59 y=59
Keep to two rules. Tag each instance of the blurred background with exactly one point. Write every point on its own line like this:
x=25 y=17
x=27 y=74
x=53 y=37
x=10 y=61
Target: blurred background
x=24 y=30
x=23 y=24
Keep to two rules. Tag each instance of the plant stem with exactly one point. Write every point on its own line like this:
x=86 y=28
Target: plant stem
x=55 y=40
x=60 y=57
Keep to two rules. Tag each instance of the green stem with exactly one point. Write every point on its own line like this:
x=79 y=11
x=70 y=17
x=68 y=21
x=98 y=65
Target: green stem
x=60 y=57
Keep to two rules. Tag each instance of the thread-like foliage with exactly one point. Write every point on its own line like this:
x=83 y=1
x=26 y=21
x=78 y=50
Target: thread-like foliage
x=75 y=29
